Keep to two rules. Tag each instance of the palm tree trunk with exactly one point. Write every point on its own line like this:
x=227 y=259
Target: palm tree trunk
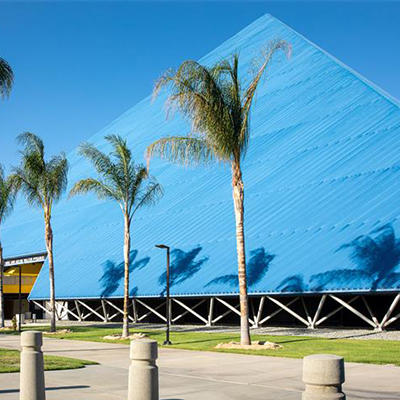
x=1 y=288
x=238 y=199
x=49 y=247
x=127 y=249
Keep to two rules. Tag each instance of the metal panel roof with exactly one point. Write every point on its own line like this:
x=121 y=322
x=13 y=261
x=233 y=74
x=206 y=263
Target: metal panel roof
x=321 y=204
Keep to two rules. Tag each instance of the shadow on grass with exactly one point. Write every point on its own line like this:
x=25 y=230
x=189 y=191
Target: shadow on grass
x=203 y=341
x=303 y=339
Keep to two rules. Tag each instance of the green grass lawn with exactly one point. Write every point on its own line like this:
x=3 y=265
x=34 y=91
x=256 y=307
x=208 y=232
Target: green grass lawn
x=9 y=362
x=365 y=351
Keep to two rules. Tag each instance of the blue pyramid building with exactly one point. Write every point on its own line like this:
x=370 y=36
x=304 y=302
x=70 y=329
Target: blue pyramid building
x=322 y=189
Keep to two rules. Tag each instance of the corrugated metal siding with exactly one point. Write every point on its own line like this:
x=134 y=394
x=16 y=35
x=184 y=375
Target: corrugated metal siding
x=322 y=190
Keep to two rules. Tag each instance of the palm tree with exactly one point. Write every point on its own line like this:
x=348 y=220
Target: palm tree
x=7 y=198
x=218 y=106
x=43 y=183
x=6 y=78
x=125 y=182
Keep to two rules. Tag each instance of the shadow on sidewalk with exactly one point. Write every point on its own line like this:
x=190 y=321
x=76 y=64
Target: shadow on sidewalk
x=49 y=388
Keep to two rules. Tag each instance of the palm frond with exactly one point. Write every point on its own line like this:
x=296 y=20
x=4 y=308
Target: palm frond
x=120 y=179
x=120 y=149
x=198 y=93
x=264 y=60
x=136 y=182
x=213 y=100
x=6 y=78
x=33 y=144
x=40 y=181
x=101 y=190
x=28 y=185
x=57 y=175
x=8 y=194
x=101 y=161
x=124 y=165
x=150 y=195
x=182 y=150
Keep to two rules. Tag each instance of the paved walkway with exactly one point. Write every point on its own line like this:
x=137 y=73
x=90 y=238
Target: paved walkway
x=192 y=375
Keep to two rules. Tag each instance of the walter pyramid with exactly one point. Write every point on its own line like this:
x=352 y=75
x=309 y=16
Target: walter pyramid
x=321 y=204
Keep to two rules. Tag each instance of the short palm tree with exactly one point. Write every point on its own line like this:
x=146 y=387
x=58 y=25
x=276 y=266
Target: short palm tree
x=42 y=183
x=6 y=78
x=218 y=106
x=7 y=198
x=125 y=182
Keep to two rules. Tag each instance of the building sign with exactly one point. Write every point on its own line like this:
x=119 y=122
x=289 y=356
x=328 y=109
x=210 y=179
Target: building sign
x=25 y=260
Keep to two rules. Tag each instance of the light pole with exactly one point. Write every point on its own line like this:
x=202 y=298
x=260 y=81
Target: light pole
x=167 y=341
x=19 y=299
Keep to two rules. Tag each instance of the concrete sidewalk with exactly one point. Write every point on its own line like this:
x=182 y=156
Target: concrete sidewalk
x=192 y=375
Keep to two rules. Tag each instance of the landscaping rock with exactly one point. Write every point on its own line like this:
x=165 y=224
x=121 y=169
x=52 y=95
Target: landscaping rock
x=118 y=336
x=59 y=332
x=255 y=345
x=6 y=329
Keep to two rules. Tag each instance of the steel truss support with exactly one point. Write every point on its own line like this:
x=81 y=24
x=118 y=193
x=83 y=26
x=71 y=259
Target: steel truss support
x=66 y=309
x=59 y=304
x=354 y=311
x=259 y=313
x=311 y=320
x=106 y=316
x=189 y=310
x=288 y=310
x=231 y=308
x=386 y=321
x=135 y=311
x=78 y=310
x=320 y=321
x=276 y=312
x=152 y=310
x=116 y=308
x=211 y=312
x=92 y=311
x=318 y=312
x=149 y=312
x=40 y=306
x=213 y=321
x=370 y=311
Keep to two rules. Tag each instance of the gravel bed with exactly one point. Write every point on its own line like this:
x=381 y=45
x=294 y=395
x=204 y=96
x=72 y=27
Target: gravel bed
x=329 y=333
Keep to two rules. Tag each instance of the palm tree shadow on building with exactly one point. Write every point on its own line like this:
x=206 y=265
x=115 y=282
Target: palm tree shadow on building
x=294 y=283
x=183 y=267
x=376 y=257
x=257 y=267
x=114 y=273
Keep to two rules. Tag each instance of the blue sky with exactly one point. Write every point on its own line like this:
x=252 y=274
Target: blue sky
x=79 y=65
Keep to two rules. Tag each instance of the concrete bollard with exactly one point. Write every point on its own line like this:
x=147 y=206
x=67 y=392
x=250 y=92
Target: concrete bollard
x=32 y=367
x=323 y=375
x=143 y=372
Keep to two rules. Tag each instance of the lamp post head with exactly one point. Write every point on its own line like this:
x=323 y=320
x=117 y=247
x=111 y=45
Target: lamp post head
x=162 y=246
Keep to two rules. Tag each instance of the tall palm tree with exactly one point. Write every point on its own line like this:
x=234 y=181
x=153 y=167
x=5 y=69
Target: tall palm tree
x=6 y=78
x=125 y=182
x=217 y=103
x=43 y=183
x=7 y=198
